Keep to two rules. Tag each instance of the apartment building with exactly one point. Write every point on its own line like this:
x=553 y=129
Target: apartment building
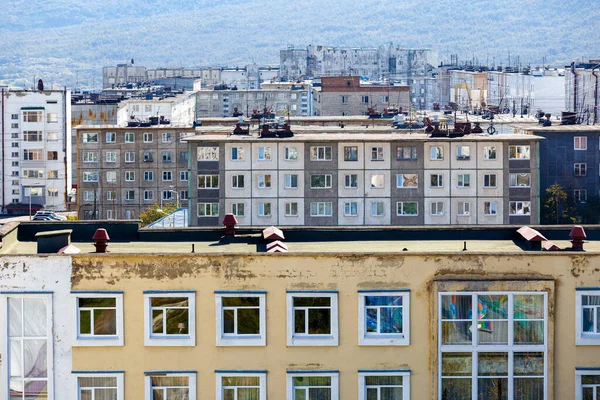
x=346 y=95
x=36 y=159
x=280 y=99
x=123 y=171
x=352 y=176
x=570 y=156
x=371 y=318
x=178 y=109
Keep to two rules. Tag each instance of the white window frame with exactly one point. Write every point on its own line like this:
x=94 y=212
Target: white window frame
x=5 y=346
x=404 y=373
x=261 y=209
x=288 y=209
x=463 y=152
x=207 y=153
x=493 y=209
x=98 y=340
x=235 y=209
x=261 y=374
x=129 y=176
x=488 y=151
x=519 y=149
x=580 y=195
x=294 y=339
x=119 y=375
x=237 y=183
x=436 y=153
x=440 y=178
x=167 y=137
x=204 y=204
x=515 y=184
x=378 y=152
x=581 y=372
x=384 y=339
x=90 y=156
x=191 y=375
x=374 y=208
x=324 y=204
x=111 y=137
x=232 y=339
x=488 y=177
x=580 y=143
x=321 y=157
x=461 y=182
x=522 y=203
x=288 y=181
x=475 y=348
x=148 y=137
x=348 y=181
x=209 y=181
x=129 y=156
x=148 y=176
x=112 y=175
x=466 y=209
x=372 y=184
x=400 y=204
x=129 y=137
x=400 y=181
x=88 y=176
x=328 y=181
x=289 y=155
x=262 y=181
x=579 y=169
x=348 y=206
x=437 y=206
x=151 y=339
x=167 y=176
x=111 y=156
x=333 y=374
x=148 y=195
x=585 y=338
x=264 y=153
x=239 y=154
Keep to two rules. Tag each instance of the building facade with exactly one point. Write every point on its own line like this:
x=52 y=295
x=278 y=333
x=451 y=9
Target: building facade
x=352 y=177
x=582 y=91
x=36 y=160
x=179 y=109
x=346 y=95
x=123 y=171
x=283 y=101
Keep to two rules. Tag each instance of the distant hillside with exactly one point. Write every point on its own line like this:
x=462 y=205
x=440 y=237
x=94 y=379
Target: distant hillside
x=68 y=41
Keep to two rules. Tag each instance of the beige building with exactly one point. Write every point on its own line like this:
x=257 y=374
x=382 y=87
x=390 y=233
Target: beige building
x=123 y=171
x=346 y=95
x=353 y=176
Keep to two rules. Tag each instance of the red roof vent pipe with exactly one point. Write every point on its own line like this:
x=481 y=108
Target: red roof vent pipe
x=101 y=239
x=577 y=237
x=230 y=222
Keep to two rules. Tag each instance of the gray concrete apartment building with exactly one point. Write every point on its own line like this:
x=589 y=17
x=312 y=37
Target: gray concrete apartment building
x=329 y=176
x=122 y=171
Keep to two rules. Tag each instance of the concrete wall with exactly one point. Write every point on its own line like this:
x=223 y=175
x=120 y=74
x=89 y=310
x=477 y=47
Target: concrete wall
x=22 y=275
x=557 y=274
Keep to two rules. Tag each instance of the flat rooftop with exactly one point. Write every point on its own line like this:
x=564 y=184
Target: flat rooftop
x=557 y=128
x=351 y=247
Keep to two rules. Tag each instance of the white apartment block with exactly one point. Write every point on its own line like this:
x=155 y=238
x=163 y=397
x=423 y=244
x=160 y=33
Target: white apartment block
x=179 y=109
x=36 y=149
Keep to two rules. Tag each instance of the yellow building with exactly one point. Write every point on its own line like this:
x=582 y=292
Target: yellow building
x=336 y=320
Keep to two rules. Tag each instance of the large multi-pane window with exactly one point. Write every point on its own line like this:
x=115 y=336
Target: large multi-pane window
x=492 y=345
x=406 y=153
x=241 y=318
x=264 y=209
x=519 y=208
x=169 y=318
x=407 y=181
x=320 y=181
x=587 y=383
x=208 y=154
x=208 y=181
x=519 y=179
x=351 y=181
x=350 y=153
x=29 y=346
x=208 y=209
x=320 y=153
x=312 y=318
x=407 y=208
x=321 y=209
x=518 y=152
x=235 y=385
x=313 y=385
x=351 y=209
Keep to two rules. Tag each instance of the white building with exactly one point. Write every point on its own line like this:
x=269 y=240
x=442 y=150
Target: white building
x=36 y=149
x=178 y=109
x=35 y=343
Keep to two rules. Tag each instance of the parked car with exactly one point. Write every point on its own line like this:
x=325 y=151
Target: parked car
x=48 y=216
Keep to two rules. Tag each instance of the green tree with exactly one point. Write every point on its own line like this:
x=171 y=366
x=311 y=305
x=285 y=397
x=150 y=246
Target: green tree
x=156 y=212
x=558 y=207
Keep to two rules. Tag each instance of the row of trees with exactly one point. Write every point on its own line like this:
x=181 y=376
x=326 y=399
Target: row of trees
x=559 y=207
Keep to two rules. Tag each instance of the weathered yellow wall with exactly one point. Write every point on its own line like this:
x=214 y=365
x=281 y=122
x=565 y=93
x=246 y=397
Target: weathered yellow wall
x=347 y=273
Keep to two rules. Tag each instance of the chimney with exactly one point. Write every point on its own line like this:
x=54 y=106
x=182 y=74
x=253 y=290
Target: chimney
x=230 y=221
x=577 y=238
x=101 y=239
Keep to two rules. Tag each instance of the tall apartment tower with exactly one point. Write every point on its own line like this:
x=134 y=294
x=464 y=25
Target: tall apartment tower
x=36 y=150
